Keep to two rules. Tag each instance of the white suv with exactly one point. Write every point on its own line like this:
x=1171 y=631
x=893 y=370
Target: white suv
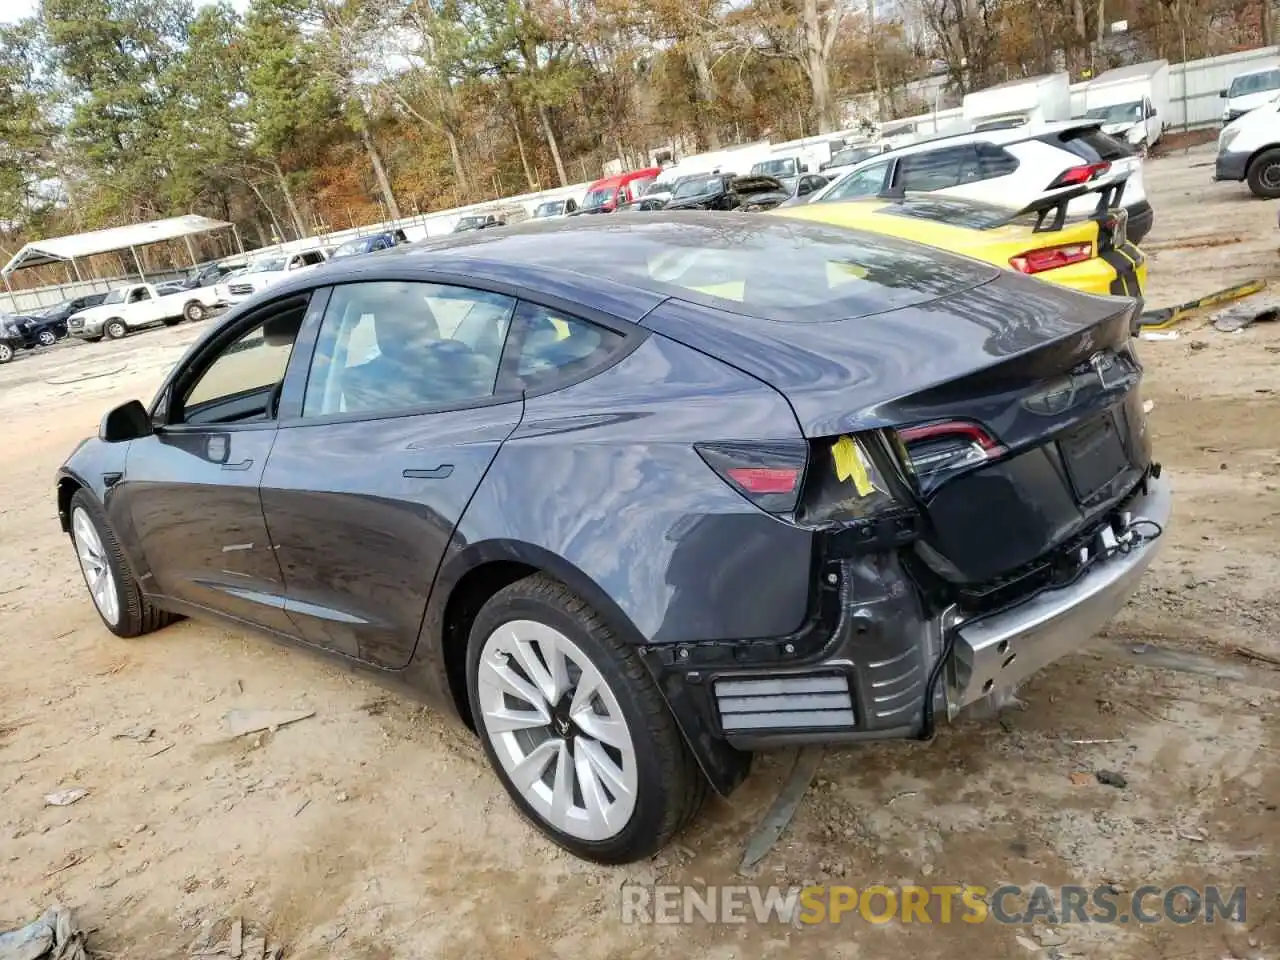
x=1007 y=167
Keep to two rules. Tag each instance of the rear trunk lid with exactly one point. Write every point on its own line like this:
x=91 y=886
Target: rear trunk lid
x=1048 y=374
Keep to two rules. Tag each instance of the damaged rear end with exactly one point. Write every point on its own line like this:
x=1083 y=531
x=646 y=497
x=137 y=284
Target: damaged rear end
x=977 y=474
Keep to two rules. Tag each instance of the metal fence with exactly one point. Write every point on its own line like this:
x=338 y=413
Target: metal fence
x=37 y=298
x=1194 y=87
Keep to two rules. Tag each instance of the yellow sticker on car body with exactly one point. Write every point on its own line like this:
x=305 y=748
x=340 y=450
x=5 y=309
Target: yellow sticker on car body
x=851 y=464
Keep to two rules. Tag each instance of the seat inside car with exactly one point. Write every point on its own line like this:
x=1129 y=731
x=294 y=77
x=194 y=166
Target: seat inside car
x=414 y=365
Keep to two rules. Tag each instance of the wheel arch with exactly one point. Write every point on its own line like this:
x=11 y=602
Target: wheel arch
x=1267 y=148
x=475 y=573
x=466 y=581
x=68 y=484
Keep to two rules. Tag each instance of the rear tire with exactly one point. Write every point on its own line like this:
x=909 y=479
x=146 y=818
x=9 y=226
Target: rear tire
x=608 y=739
x=112 y=587
x=116 y=329
x=1264 y=174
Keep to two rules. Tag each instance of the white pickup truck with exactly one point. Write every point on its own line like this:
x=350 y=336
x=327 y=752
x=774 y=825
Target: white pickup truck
x=138 y=305
x=265 y=270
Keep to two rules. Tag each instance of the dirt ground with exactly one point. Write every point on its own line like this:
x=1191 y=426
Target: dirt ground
x=375 y=830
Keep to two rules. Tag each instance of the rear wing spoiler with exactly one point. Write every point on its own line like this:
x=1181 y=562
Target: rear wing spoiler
x=1050 y=209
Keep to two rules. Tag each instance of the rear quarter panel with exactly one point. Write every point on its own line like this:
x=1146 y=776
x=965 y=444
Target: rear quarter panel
x=601 y=485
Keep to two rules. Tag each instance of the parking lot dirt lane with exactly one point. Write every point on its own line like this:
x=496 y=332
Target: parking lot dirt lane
x=373 y=829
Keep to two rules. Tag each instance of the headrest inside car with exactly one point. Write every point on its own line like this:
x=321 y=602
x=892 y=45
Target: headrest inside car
x=282 y=330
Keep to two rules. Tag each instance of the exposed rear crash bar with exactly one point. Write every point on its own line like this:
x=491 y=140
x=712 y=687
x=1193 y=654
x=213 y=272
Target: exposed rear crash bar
x=1003 y=649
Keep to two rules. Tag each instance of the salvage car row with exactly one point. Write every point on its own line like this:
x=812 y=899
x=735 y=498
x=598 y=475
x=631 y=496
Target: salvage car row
x=1063 y=201
x=205 y=290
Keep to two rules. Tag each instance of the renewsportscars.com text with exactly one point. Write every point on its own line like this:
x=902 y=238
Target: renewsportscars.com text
x=939 y=903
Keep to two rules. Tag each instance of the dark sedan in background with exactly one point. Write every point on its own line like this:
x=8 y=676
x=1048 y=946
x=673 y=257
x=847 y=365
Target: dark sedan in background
x=636 y=495
x=727 y=191
x=20 y=332
x=358 y=246
x=59 y=313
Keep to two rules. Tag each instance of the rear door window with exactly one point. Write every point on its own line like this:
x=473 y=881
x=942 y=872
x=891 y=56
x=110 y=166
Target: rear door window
x=938 y=169
x=994 y=161
x=392 y=346
x=867 y=182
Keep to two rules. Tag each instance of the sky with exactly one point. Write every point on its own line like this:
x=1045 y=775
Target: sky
x=14 y=10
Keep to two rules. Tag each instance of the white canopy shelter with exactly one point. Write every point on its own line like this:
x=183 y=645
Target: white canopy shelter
x=80 y=245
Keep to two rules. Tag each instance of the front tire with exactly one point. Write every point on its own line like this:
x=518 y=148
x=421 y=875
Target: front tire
x=112 y=587
x=1264 y=174
x=194 y=311
x=575 y=726
x=6 y=353
x=116 y=330
x=46 y=338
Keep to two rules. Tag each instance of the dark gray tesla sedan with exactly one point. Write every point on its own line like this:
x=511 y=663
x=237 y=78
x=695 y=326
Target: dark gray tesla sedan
x=634 y=496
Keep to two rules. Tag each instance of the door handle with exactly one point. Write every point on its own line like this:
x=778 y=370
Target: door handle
x=242 y=465
x=438 y=473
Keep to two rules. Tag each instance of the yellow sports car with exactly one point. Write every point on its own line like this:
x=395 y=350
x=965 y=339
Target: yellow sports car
x=1091 y=255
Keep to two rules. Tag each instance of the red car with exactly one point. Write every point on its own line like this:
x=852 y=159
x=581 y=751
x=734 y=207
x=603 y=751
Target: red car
x=605 y=196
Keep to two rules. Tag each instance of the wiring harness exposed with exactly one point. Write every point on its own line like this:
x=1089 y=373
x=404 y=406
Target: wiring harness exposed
x=1135 y=534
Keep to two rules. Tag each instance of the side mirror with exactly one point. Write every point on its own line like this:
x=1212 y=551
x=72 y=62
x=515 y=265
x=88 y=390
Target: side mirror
x=1153 y=112
x=1222 y=94
x=129 y=421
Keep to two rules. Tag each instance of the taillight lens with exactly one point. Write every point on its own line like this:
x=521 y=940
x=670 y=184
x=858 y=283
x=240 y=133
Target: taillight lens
x=938 y=450
x=768 y=473
x=1074 y=176
x=1051 y=258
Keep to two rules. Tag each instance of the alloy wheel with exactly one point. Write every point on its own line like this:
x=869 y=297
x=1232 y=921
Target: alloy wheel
x=46 y=338
x=93 y=564
x=557 y=730
x=194 y=312
x=1271 y=176
x=6 y=353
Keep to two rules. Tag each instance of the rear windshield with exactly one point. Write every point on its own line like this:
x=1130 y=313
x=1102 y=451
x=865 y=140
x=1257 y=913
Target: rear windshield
x=1090 y=144
x=763 y=265
x=1255 y=83
x=696 y=187
x=777 y=168
x=952 y=212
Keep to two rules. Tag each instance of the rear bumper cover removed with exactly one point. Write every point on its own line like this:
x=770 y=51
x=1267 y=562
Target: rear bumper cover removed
x=1002 y=650
x=866 y=679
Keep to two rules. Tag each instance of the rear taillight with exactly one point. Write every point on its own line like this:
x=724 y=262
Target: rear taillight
x=1051 y=258
x=937 y=450
x=854 y=486
x=1074 y=176
x=768 y=473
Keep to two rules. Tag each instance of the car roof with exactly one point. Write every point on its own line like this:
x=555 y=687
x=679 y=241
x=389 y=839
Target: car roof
x=1001 y=136
x=586 y=261
x=620 y=178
